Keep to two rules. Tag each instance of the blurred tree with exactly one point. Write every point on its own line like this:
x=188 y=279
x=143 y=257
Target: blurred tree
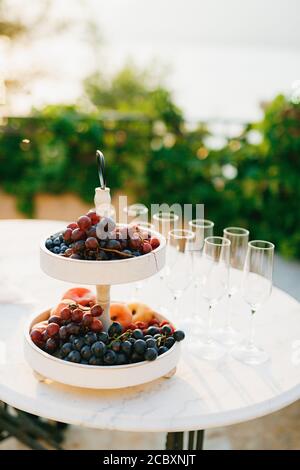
x=280 y=177
x=135 y=93
x=14 y=26
x=21 y=34
x=9 y=27
x=252 y=181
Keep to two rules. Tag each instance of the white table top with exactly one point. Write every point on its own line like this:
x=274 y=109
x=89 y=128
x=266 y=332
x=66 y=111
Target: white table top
x=201 y=394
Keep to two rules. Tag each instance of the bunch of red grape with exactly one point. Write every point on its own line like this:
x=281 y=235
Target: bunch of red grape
x=98 y=238
x=74 y=319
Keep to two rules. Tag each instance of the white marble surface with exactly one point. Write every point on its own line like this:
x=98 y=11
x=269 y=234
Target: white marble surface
x=200 y=395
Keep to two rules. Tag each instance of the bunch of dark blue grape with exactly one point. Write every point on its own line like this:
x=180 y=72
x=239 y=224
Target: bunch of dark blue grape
x=117 y=347
x=96 y=238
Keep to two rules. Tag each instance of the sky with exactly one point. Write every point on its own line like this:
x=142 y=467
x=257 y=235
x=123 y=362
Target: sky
x=220 y=58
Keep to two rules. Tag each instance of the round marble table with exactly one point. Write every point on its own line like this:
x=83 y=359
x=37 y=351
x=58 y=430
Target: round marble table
x=200 y=395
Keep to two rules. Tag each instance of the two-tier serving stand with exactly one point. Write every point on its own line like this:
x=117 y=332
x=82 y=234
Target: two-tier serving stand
x=102 y=274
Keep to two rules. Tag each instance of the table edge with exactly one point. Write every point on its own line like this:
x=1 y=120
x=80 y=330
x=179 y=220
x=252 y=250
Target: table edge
x=215 y=420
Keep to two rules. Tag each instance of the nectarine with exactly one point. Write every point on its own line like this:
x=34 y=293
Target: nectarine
x=81 y=296
x=41 y=326
x=141 y=312
x=120 y=312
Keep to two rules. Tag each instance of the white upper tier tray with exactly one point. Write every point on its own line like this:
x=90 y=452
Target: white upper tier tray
x=104 y=272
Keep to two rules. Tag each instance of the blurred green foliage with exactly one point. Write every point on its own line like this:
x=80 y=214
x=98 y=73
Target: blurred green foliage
x=134 y=94
x=252 y=181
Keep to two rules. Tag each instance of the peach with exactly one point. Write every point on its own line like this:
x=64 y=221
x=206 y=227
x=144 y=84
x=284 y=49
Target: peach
x=120 y=312
x=141 y=312
x=80 y=295
x=41 y=326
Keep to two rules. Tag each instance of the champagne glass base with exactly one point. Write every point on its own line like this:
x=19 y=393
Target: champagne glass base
x=250 y=354
x=189 y=325
x=209 y=350
x=228 y=336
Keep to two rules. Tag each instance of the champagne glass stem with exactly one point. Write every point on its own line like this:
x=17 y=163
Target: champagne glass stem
x=194 y=309
x=229 y=311
x=175 y=306
x=252 y=329
x=136 y=291
x=138 y=287
x=209 y=331
x=195 y=299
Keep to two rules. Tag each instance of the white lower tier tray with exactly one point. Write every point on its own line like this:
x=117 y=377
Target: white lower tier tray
x=97 y=377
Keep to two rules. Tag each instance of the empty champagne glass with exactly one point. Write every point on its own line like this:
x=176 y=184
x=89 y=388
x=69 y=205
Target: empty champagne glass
x=164 y=222
x=256 y=289
x=136 y=213
x=179 y=275
x=239 y=238
x=213 y=285
x=147 y=226
x=140 y=284
x=202 y=228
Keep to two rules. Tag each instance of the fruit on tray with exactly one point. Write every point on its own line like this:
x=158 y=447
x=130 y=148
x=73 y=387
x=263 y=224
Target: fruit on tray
x=41 y=326
x=121 y=313
x=81 y=295
x=141 y=312
x=96 y=238
x=79 y=338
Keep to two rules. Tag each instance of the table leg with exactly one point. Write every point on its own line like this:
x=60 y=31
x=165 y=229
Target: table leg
x=29 y=429
x=200 y=440
x=191 y=440
x=175 y=440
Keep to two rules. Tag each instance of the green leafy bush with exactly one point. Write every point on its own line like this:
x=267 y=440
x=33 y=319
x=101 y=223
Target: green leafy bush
x=152 y=157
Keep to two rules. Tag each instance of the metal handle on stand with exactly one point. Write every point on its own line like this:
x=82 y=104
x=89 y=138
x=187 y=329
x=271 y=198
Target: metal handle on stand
x=101 y=169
